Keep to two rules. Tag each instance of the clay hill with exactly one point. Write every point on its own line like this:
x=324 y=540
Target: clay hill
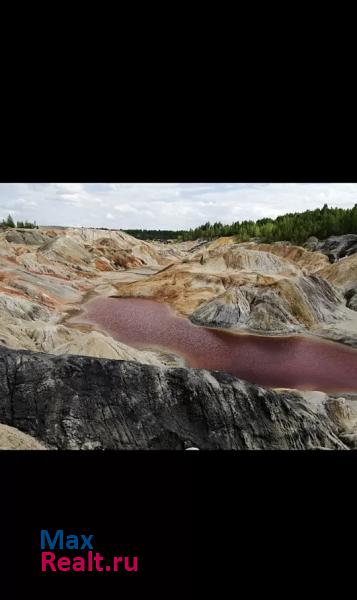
x=260 y=288
x=47 y=275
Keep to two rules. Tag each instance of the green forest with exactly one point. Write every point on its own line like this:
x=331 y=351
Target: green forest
x=293 y=227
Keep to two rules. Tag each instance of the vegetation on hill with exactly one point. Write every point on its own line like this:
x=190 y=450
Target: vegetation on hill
x=294 y=227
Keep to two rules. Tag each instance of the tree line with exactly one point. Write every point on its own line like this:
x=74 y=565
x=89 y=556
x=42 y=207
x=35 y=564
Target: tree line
x=9 y=222
x=293 y=227
x=155 y=234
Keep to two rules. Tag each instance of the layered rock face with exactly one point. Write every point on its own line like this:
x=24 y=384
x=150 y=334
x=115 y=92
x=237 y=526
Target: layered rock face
x=73 y=402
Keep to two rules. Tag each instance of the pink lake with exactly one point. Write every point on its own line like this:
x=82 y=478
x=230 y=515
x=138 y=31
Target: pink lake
x=286 y=361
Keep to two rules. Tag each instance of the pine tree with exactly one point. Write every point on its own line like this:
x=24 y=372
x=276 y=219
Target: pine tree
x=9 y=221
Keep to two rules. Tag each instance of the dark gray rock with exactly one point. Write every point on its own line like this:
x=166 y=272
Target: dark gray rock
x=77 y=402
x=338 y=246
x=230 y=310
x=351 y=299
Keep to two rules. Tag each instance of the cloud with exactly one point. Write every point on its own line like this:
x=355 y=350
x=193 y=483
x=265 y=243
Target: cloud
x=166 y=205
x=126 y=208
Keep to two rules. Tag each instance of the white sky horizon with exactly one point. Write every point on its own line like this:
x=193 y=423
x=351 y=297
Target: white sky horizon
x=164 y=205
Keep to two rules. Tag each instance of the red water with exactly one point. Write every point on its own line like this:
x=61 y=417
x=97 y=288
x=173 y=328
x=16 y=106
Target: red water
x=289 y=361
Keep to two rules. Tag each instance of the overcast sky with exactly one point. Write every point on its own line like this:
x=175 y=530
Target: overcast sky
x=164 y=206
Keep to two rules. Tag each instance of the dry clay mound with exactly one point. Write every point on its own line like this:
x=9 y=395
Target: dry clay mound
x=7 y=250
x=13 y=439
x=308 y=262
x=66 y=250
x=111 y=256
x=64 y=268
x=239 y=257
x=119 y=248
x=24 y=324
x=80 y=250
x=342 y=273
x=91 y=236
x=42 y=288
x=96 y=251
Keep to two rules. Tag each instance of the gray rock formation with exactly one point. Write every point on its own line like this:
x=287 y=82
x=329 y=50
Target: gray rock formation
x=338 y=246
x=247 y=307
x=311 y=243
x=344 y=415
x=75 y=402
x=228 y=310
x=273 y=309
x=324 y=299
x=351 y=298
x=26 y=236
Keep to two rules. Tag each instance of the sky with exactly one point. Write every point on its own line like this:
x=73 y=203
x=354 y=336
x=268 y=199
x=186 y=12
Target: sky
x=164 y=205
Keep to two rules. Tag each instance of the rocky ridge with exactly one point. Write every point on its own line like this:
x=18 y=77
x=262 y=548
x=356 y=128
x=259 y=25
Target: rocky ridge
x=76 y=402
